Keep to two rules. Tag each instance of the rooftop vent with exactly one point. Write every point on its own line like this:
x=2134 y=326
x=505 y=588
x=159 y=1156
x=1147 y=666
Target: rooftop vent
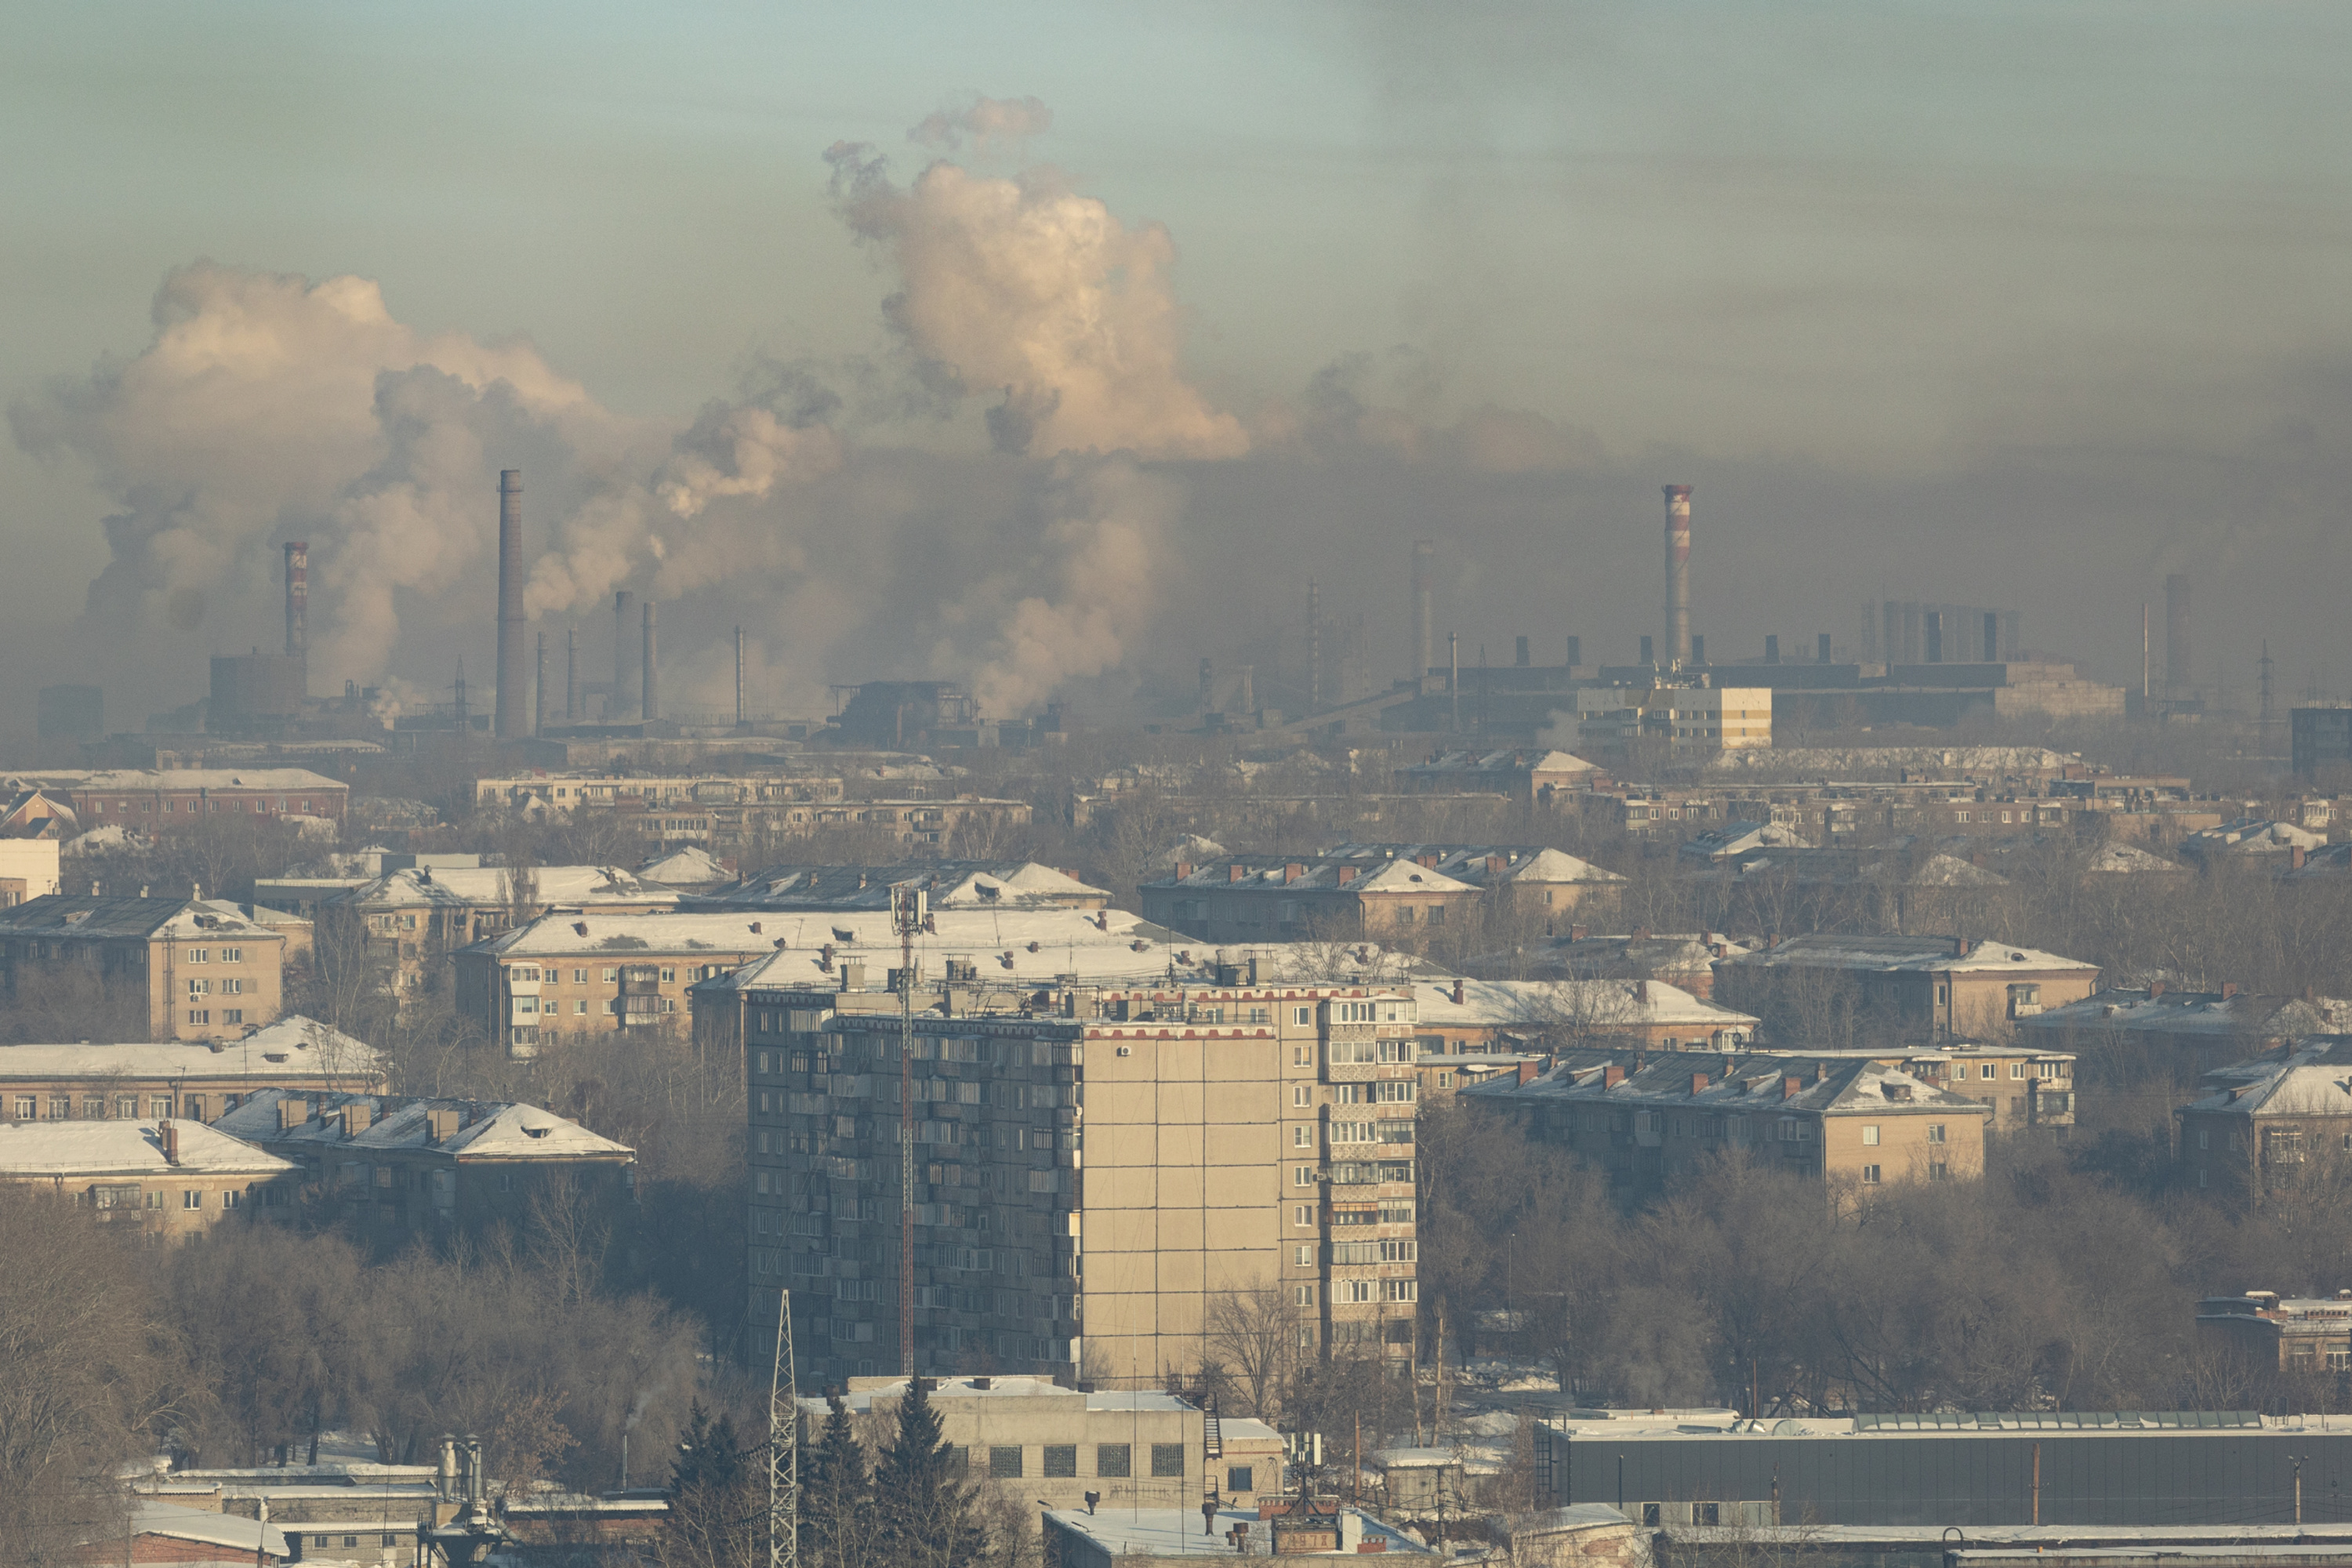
x=841 y=935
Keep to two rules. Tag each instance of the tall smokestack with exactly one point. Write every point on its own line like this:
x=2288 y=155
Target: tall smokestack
x=538 y=690
x=739 y=677
x=1678 y=641
x=513 y=718
x=1424 y=607
x=1208 y=685
x=571 y=714
x=2176 y=638
x=627 y=699
x=1314 y=646
x=1245 y=694
x=651 y=695
x=297 y=599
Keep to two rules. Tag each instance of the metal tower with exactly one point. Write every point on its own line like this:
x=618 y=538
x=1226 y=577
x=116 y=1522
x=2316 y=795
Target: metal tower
x=908 y=915
x=784 y=1447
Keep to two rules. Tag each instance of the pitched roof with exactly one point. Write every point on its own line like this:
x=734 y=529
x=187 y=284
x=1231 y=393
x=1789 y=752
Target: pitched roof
x=1828 y=1085
x=79 y=917
x=691 y=866
x=242 y=1536
x=1888 y=952
x=127 y=1148
x=946 y=884
x=292 y=1047
x=148 y=780
x=2311 y=1077
x=2193 y=1014
x=478 y=887
x=489 y=1128
x=1597 y=1004
x=1632 y=955
x=1476 y=864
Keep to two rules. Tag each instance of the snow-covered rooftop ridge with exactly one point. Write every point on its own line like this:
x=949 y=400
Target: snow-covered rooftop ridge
x=946 y=884
x=1888 y=952
x=459 y=887
x=129 y=1148
x=1758 y=1081
x=292 y=1047
x=1586 y=1003
x=486 y=1128
x=1480 y=864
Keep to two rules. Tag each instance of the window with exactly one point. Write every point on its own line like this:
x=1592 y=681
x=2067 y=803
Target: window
x=1870 y=1175
x=1302 y=1295
x=26 y=1109
x=612 y=975
x=160 y=1107
x=2017 y=1069
x=192 y=1199
x=231 y=1198
x=1299 y=1094
x=193 y=1107
x=1302 y=1136
x=668 y=975
x=1303 y=1256
x=1399 y=1290
x=1302 y=1017
x=126 y=1107
x=1939 y=1172
x=1168 y=1460
x=1870 y=1137
x=1061 y=1459
x=199 y=956
x=232 y=955
x=1935 y=1132
x=1112 y=1459
x=233 y=1016
x=1302 y=1213
x=200 y=987
x=579 y=978
x=1003 y=1463
x=1985 y=1071
x=1302 y=1176
x=1240 y=1479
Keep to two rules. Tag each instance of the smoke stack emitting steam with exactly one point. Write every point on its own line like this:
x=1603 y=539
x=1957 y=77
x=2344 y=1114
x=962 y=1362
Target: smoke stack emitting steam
x=650 y=697
x=298 y=598
x=513 y=719
x=1424 y=617
x=1678 y=631
x=627 y=701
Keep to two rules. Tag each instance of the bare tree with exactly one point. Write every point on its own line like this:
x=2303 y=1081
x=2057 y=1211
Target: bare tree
x=1252 y=1330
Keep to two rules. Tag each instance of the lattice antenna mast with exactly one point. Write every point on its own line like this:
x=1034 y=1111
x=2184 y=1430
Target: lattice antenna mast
x=909 y=911
x=784 y=1447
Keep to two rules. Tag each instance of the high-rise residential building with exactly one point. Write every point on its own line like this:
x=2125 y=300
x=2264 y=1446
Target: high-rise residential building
x=1122 y=1150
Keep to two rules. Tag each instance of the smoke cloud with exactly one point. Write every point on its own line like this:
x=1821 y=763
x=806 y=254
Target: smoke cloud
x=993 y=124
x=1026 y=289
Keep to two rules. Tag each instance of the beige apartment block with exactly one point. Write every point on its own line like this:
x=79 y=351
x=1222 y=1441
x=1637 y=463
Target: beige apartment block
x=204 y=969
x=169 y=1180
x=1104 y=1157
x=192 y=1081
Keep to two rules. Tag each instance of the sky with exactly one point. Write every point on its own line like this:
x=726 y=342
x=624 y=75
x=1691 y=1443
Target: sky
x=1055 y=347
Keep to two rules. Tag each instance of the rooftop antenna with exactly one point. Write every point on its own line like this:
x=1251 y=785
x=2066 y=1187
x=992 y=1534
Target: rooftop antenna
x=908 y=916
x=784 y=1447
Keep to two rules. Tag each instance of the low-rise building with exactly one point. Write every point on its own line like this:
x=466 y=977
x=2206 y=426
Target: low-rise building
x=200 y=968
x=161 y=799
x=1528 y=776
x=1464 y=1014
x=1847 y=1120
x=394 y=1167
x=197 y=1081
x=163 y=1531
x=2275 y=1333
x=2272 y=1122
x=1684 y=960
x=168 y=1179
x=574 y=973
x=945 y=884
x=2253 y=835
x=28 y=865
x=403 y=925
x=1273 y=897
x=1526 y=880
x=1141 y=1538
x=542 y=792
x=1948 y=986
x=1030 y=1440
x=2199 y=1029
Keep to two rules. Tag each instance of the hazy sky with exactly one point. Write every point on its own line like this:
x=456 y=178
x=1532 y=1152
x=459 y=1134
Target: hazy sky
x=2018 y=304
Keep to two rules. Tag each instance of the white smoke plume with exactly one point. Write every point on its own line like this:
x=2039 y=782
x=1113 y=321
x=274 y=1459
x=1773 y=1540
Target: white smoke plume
x=1028 y=290
x=993 y=124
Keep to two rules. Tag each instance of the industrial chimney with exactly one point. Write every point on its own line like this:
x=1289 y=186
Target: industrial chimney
x=513 y=718
x=2176 y=638
x=651 y=696
x=298 y=601
x=740 y=725
x=571 y=714
x=1424 y=608
x=628 y=700
x=1678 y=638
x=539 y=690
x=1314 y=646
x=1208 y=685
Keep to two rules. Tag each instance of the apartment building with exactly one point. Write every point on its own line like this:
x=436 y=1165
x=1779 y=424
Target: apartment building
x=197 y=1081
x=169 y=1180
x=1844 y=1121
x=1684 y=960
x=162 y=799
x=2291 y=1335
x=1525 y=879
x=1527 y=776
x=1107 y=1149
x=403 y=925
x=542 y=792
x=2205 y=1030
x=948 y=885
x=2272 y=1122
x=1464 y=1016
x=394 y=1167
x=733 y=814
x=1689 y=722
x=1035 y=1440
x=577 y=972
x=1271 y=897
x=1950 y=986
x=202 y=968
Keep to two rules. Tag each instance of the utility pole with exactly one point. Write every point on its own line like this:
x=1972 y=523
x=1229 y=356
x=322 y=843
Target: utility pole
x=784 y=1447
x=907 y=912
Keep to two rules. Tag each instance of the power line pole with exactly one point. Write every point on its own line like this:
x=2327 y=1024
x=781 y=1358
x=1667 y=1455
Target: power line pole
x=784 y=1447
x=908 y=913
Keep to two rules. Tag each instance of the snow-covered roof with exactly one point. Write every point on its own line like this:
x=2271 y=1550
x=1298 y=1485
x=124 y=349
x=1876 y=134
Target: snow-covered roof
x=136 y=780
x=1624 y=953
x=293 y=1048
x=242 y=1538
x=691 y=866
x=1937 y=871
x=1523 y=761
x=1482 y=865
x=127 y=1148
x=862 y=1393
x=1888 y=952
x=1752 y=1084
x=480 y=887
x=1274 y=873
x=1151 y=1533
x=488 y=1129
x=2312 y=1077
x=1594 y=1004
x=59 y=917
x=2130 y=860
x=2251 y=836
x=946 y=884
x=2193 y=1014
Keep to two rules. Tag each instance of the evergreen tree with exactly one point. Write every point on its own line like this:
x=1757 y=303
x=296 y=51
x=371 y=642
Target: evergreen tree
x=836 y=1526
x=717 y=1508
x=922 y=1517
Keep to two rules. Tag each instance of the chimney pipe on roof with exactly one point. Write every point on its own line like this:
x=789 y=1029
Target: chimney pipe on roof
x=170 y=1134
x=1678 y=635
x=512 y=722
x=1611 y=1076
x=1461 y=988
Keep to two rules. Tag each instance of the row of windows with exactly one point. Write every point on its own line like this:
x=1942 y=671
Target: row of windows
x=126 y=1107
x=226 y=985
x=531 y=1007
x=202 y=1016
x=204 y=955
x=1113 y=1460
x=1359 y=1293
x=122 y=807
x=1937 y=1171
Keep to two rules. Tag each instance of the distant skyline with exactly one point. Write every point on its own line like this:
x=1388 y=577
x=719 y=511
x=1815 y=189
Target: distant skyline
x=2006 y=304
